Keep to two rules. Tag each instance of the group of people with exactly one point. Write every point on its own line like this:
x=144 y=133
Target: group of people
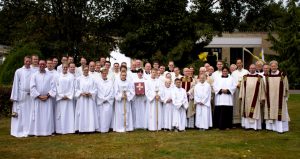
x=98 y=97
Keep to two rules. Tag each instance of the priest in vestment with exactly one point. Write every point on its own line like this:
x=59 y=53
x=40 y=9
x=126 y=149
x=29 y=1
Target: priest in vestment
x=139 y=101
x=105 y=101
x=124 y=93
x=167 y=106
x=64 y=111
x=252 y=94
x=276 y=109
x=237 y=75
x=224 y=87
x=20 y=96
x=42 y=90
x=202 y=95
x=180 y=103
x=153 y=117
x=86 y=113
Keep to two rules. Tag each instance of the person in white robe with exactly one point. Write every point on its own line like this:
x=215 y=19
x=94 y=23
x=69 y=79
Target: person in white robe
x=224 y=88
x=237 y=75
x=139 y=103
x=35 y=63
x=124 y=93
x=105 y=101
x=252 y=94
x=64 y=111
x=202 y=97
x=218 y=72
x=153 y=117
x=276 y=108
x=168 y=107
x=180 y=102
x=20 y=96
x=86 y=113
x=79 y=70
x=64 y=59
x=42 y=90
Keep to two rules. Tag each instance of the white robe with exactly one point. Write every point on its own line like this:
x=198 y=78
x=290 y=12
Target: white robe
x=202 y=94
x=180 y=102
x=224 y=83
x=122 y=120
x=139 y=108
x=86 y=113
x=20 y=95
x=64 y=111
x=105 y=102
x=42 y=121
x=153 y=117
x=167 y=107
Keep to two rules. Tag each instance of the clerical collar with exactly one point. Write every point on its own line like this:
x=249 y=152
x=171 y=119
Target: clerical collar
x=123 y=79
x=42 y=71
x=147 y=73
x=259 y=71
x=275 y=73
x=224 y=76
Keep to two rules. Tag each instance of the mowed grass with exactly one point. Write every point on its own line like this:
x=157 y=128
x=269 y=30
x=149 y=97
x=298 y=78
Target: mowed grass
x=235 y=143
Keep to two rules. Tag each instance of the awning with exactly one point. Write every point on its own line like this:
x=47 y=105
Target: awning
x=235 y=42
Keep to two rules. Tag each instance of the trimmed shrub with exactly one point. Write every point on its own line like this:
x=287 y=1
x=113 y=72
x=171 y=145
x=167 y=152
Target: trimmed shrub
x=15 y=60
x=5 y=103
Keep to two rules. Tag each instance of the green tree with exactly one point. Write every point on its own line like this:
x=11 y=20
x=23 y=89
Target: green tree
x=286 y=41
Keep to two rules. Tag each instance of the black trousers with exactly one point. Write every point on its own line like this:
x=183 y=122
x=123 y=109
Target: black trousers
x=223 y=116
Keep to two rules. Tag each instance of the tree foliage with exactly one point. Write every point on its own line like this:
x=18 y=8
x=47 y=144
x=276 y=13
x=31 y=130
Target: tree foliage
x=286 y=42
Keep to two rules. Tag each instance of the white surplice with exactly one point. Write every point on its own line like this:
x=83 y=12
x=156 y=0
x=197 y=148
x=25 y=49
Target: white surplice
x=202 y=94
x=224 y=83
x=64 y=111
x=139 y=108
x=153 y=114
x=105 y=102
x=86 y=112
x=42 y=117
x=20 y=95
x=122 y=120
x=180 y=102
x=167 y=107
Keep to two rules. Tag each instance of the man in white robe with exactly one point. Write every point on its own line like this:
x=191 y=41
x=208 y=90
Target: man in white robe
x=168 y=107
x=42 y=91
x=180 y=102
x=154 y=107
x=86 y=113
x=218 y=72
x=20 y=96
x=202 y=97
x=124 y=93
x=64 y=108
x=64 y=60
x=224 y=88
x=276 y=109
x=95 y=75
x=237 y=75
x=79 y=70
x=105 y=101
x=252 y=94
x=34 y=63
x=139 y=101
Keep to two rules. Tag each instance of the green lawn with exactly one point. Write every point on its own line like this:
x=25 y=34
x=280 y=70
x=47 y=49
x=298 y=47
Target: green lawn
x=236 y=143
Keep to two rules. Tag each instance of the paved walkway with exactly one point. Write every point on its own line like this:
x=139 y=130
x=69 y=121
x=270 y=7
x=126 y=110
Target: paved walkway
x=294 y=91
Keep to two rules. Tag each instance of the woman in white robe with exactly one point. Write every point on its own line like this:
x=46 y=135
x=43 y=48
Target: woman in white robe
x=139 y=104
x=86 y=113
x=124 y=93
x=105 y=101
x=202 y=96
x=64 y=112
